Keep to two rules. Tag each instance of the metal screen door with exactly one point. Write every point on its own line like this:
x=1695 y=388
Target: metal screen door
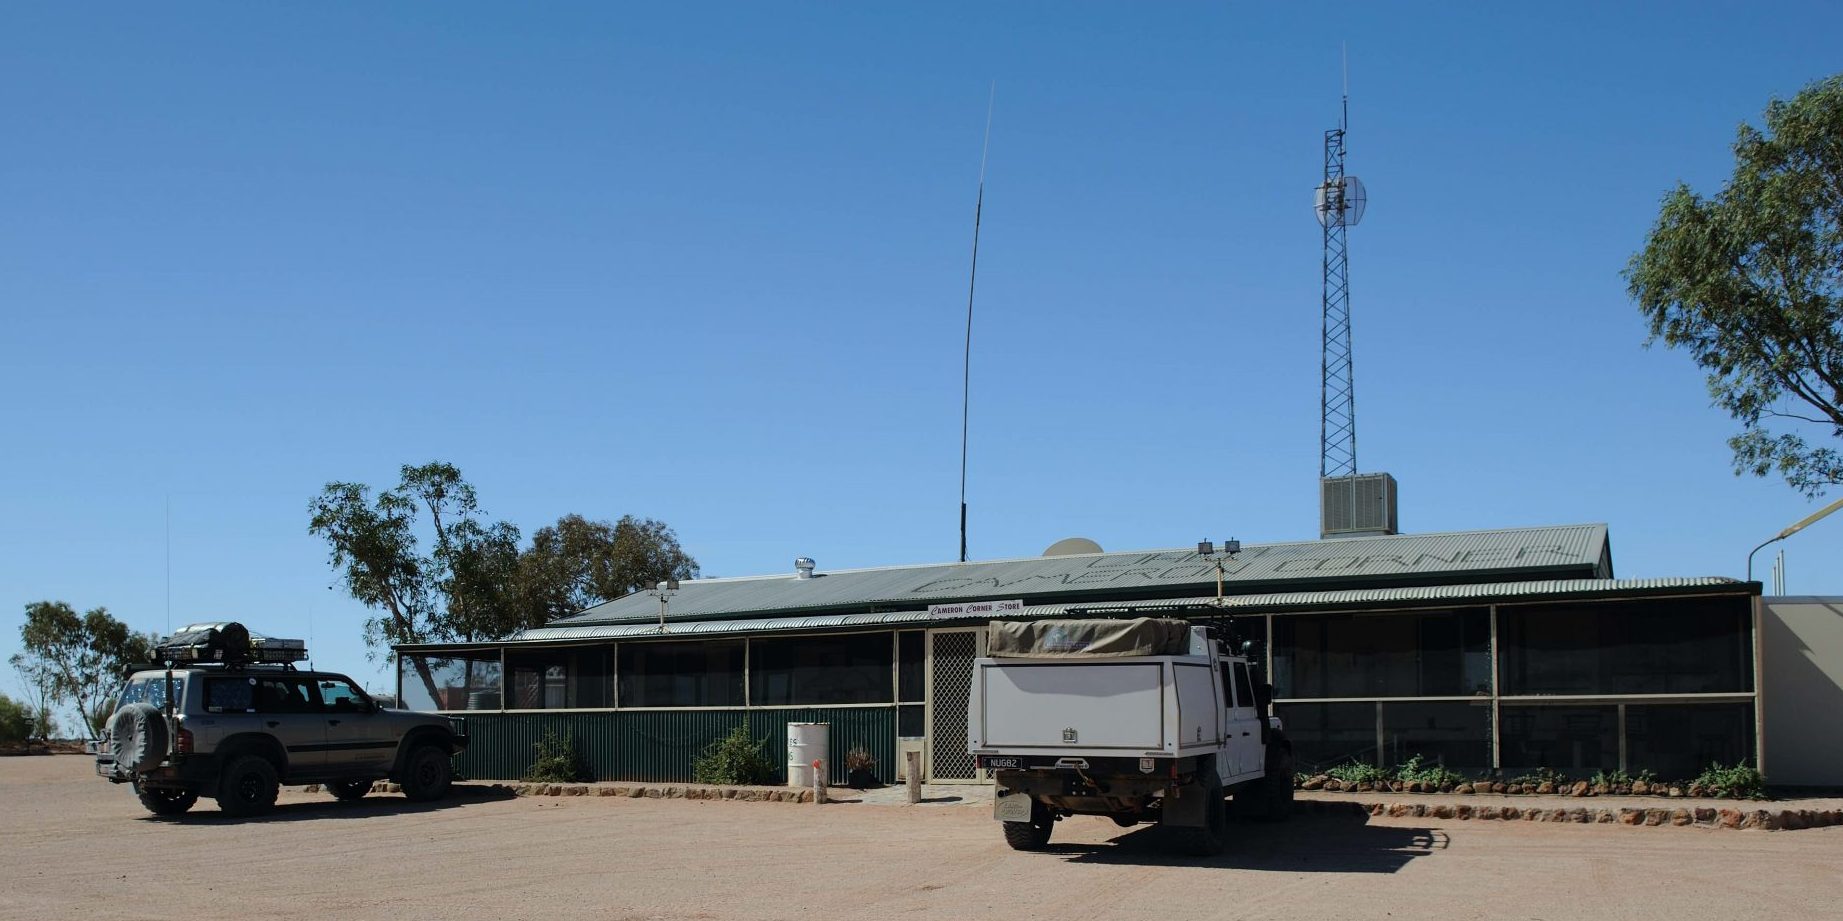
x=950 y=683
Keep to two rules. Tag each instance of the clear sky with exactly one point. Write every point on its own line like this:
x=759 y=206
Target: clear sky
x=708 y=264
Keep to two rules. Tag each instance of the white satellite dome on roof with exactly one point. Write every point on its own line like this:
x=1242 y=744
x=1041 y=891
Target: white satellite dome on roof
x=1341 y=201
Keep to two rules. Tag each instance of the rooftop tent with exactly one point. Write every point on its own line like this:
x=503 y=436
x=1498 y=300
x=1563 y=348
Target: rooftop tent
x=1073 y=639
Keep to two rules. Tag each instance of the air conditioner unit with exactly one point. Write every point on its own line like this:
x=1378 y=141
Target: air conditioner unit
x=1357 y=506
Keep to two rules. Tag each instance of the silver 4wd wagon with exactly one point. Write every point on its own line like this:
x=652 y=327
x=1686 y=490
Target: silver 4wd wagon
x=228 y=716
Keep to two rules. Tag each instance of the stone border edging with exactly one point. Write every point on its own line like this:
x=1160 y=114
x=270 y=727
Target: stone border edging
x=1701 y=816
x=627 y=790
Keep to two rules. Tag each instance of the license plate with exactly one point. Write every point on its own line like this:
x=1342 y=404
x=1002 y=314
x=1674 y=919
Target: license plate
x=1012 y=807
x=1003 y=763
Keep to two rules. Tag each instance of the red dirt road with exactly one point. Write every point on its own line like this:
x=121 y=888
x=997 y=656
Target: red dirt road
x=73 y=846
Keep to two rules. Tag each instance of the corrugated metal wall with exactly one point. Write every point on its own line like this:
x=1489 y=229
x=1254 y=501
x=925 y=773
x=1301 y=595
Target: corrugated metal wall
x=660 y=745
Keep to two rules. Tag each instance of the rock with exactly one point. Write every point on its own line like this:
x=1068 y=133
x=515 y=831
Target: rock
x=1729 y=818
x=1698 y=791
x=1580 y=788
x=1514 y=789
x=1462 y=812
x=1398 y=810
x=1761 y=819
x=575 y=790
x=1630 y=816
x=1792 y=820
x=1681 y=817
x=1545 y=787
x=1640 y=788
x=1365 y=786
x=1676 y=792
x=1444 y=811
x=1498 y=788
x=1333 y=785
x=1464 y=789
x=1704 y=815
x=636 y=792
x=1418 y=810
x=311 y=788
x=1556 y=815
x=1314 y=782
x=1605 y=816
x=1656 y=817
x=1601 y=789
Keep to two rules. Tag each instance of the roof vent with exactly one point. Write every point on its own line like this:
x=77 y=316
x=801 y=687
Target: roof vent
x=803 y=567
x=1070 y=546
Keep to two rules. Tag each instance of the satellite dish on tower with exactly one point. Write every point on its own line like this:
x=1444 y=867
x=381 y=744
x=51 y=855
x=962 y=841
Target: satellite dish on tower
x=1072 y=546
x=1341 y=202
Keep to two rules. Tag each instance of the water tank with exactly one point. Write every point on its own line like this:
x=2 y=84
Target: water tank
x=806 y=743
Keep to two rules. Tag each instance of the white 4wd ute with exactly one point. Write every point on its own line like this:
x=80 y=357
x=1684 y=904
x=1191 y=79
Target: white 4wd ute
x=229 y=717
x=1143 y=720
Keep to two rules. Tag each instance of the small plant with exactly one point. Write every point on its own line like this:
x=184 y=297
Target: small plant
x=1619 y=778
x=1736 y=782
x=558 y=761
x=734 y=759
x=1436 y=775
x=1353 y=772
x=1538 y=777
x=860 y=769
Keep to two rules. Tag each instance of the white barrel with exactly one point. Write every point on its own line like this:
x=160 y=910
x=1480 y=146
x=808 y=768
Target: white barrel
x=806 y=743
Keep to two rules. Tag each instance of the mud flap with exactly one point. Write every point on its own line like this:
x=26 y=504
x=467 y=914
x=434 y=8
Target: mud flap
x=1185 y=807
x=1011 y=807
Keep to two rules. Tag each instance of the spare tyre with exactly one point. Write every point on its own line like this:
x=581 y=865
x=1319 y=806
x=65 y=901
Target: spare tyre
x=137 y=738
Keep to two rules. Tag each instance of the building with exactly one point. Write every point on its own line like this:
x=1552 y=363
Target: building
x=1507 y=650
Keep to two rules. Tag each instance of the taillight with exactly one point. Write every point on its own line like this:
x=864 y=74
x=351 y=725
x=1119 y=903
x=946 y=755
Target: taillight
x=184 y=744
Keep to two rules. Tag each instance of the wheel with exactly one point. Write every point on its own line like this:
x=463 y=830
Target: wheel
x=428 y=774
x=1210 y=838
x=248 y=786
x=166 y=801
x=1269 y=799
x=349 y=790
x=1034 y=834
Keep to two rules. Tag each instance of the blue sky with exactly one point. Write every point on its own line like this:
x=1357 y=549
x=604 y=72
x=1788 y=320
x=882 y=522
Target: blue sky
x=708 y=265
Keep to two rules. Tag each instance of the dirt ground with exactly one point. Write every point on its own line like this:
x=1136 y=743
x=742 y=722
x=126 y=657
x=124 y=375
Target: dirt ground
x=72 y=845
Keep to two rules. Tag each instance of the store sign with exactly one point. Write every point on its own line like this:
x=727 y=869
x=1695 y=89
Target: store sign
x=975 y=608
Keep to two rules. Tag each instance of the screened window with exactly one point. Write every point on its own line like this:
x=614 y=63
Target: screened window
x=1327 y=735
x=1423 y=654
x=1679 y=740
x=1456 y=734
x=681 y=674
x=451 y=682
x=1696 y=645
x=850 y=668
x=911 y=660
x=1574 y=740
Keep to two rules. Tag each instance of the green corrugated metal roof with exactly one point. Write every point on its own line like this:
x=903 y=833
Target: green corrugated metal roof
x=1573 y=551
x=1249 y=604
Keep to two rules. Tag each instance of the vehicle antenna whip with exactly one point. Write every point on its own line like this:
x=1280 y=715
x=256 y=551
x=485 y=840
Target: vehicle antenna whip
x=966 y=364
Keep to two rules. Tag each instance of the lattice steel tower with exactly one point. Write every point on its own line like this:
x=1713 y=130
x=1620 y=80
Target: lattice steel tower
x=1340 y=204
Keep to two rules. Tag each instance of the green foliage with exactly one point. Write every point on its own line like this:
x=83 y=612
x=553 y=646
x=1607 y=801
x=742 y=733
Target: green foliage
x=558 y=761
x=1539 y=777
x=16 y=721
x=734 y=759
x=1619 y=778
x=1736 y=782
x=1750 y=283
x=1414 y=771
x=424 y=557
x=76 y=659
x=1352 y=772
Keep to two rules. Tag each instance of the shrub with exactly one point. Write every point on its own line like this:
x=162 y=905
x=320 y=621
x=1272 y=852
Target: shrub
x=734 y=759
x=558 y=761
x=1619 y=778
x=860 y=759
x=1356 y=772
x=1439 y=775
x=1737 y=782
x=16 y=721
x=1539 y=777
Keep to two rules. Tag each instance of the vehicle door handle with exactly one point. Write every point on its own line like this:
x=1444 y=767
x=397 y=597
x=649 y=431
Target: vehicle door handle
x=336 y=722
x=1244 y=733
x=274 y=723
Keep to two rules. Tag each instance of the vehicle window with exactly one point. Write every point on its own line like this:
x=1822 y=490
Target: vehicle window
x=260 y=694
x=151 y=690
x=1244 y=690
x=229 y=695
x=340 y=696
x=1228 y=687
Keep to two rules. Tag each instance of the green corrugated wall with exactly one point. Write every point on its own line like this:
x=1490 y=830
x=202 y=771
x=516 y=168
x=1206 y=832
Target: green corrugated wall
x=659 y=745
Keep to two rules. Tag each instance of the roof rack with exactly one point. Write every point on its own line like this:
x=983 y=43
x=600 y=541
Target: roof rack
x=227 y=643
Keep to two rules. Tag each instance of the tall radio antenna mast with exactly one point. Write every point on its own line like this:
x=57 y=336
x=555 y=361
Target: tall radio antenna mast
x=1340 y=205
x=966 y=365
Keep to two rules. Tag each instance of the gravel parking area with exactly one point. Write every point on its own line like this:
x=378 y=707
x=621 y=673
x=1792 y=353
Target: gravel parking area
x=76 y=846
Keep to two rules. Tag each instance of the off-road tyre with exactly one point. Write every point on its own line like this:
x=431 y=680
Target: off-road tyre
x=1210 y=838
x=137 y=737
x=248 y=786
x=166 y=801
x=1034 y=834
x=347 y=791
x=427 y=774
x=1269 y=799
